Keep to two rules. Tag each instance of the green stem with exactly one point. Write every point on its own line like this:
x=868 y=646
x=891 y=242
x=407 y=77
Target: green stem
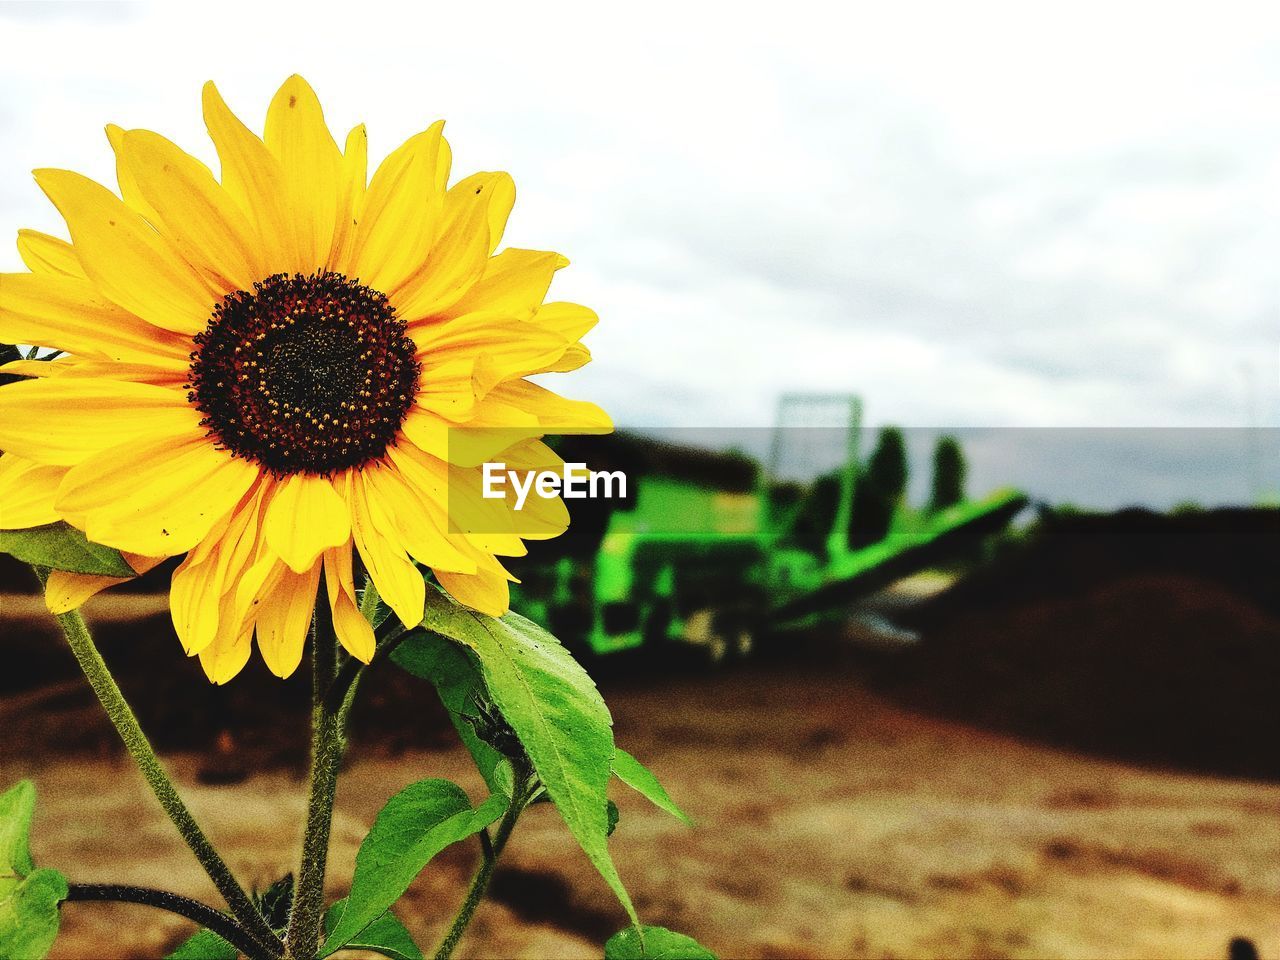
x=205 y=916
x=342 y=690
x=341 y=693
x=369 y=600
x=484 y=873
x=139 y=747
x=327 y=746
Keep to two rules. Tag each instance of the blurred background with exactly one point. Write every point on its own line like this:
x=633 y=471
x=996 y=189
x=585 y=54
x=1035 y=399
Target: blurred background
x=1032 y=716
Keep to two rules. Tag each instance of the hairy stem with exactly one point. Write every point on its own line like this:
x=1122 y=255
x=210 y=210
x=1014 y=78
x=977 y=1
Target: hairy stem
x=139 y=747
x=338 y=697
x=369 y=599
x=491 y=848
x=328 y=743
x=207 y=917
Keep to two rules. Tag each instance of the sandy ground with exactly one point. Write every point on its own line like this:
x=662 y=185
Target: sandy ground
x=831 y=823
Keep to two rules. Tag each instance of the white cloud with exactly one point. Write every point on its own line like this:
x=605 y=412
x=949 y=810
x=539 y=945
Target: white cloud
x=971 y=214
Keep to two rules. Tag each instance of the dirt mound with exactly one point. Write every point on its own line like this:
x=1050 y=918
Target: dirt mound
x=255 y=721
x=1134 y=635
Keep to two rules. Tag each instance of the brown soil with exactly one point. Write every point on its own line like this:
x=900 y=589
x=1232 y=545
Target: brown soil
x=849 y=804
x=830 y=824
x=1150 y=638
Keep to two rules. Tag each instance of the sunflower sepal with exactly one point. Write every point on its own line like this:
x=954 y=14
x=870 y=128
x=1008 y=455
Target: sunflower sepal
x=60 y=546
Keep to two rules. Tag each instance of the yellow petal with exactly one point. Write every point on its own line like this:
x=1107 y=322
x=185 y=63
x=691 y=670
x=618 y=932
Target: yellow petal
x=158 y=496
x=502 y=198
x=514 y=284
x=401 y=211
x=129 y=190
x=296 y=134
x=461 y=250
x=501 y=544
x=26 y=492
x=305 y=518
x=497 y=426
x=570 y=320
x=450 y=497
x=485 y=591
x=426 y=431
x=63 y=420
x=227 y=655
x=125 y=258
x=283 y=620
x=255 y=179
x=542 y=517
x=575 y=357
x=211 y=572
x=261 y=567
x=474 y=513
x=420 y=524
x=354 y=632
x=447 y=386
x=556 y=414
x=39 y=368
x=78 y=368
x=494 y=427
x=352 y=183
x=66 y=591
x=512 y=348
x=70 y=314
x=48 y=255
x=193 y=211
x=397 y=579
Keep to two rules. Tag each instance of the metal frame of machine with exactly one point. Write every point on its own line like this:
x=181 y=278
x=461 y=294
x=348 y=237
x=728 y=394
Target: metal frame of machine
x=691 y=561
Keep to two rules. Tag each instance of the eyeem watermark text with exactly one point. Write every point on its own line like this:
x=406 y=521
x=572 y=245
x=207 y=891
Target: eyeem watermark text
x=573 y=482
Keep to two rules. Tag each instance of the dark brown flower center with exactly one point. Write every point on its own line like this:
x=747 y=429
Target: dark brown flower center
x=304 y=374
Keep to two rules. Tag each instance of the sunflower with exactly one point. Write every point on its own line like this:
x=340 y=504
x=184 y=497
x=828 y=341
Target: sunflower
x=282 y=374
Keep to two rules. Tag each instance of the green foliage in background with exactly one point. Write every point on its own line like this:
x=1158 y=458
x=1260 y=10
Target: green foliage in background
x=949 y=473
x=880 y=489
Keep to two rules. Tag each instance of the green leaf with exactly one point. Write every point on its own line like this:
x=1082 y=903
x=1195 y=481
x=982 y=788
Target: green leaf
x=657 y=943
x=641 y=779
x=415 y=825
x=456 y=677
x=556 y=711
x=63 y=547
x=386 y=935
x=17 y=805
x=612 y=815
x=29 y=915
x=29 y=897
x=204 y=945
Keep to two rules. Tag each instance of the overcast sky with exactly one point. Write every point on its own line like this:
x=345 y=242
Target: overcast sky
x=969 y=214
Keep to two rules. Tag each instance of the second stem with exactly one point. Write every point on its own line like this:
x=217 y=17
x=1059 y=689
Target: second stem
x=328 y=742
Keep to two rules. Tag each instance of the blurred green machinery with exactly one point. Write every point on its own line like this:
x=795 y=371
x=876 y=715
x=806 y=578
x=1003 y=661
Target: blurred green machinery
x=710 y=550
